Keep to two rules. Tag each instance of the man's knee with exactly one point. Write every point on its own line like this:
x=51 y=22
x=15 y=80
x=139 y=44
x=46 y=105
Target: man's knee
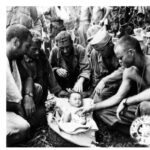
x=17 y=128
x=23 y=126
x=16 y=123
x=38 y=91
x=144 y=108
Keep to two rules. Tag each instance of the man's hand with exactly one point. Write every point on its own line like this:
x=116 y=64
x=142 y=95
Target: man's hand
x=63 y=93
x=62 y=72
x=78 y=87
x=29 y=105
x=121 y=106
x=85 y=110
x=100 y=86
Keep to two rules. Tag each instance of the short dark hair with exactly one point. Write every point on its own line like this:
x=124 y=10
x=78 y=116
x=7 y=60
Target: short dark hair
x=19 y=31
x=63 y=36
x=130 y=42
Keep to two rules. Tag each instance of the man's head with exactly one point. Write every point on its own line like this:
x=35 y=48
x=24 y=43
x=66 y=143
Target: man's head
x=64 y=43
x=75 y=99
x=127 y=49
x=18 y=39
x=33 y=52
x=92 y=31
x=102 y=43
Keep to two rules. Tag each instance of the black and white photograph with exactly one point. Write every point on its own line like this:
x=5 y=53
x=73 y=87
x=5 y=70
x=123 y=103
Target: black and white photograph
x=77 y=76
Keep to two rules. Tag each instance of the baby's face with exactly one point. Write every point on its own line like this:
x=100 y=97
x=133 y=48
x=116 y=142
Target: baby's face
x=75 y=100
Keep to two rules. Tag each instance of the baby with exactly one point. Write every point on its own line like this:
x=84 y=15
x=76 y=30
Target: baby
x=71 y=114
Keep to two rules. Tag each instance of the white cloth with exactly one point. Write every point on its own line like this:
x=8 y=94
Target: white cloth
x=13 y=83
x=75 y=133
x=75 y=126
x=16 y=125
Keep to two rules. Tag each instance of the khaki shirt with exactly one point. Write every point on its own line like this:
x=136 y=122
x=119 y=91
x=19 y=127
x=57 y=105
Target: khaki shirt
x=101 y=69
x=80 y=62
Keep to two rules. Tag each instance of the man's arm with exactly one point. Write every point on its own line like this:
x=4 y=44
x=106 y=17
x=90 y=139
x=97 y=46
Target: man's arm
x=108 y=9
x=114 y=76
x=15 y=107
x=95 y=78
x=114 y=100
x=53 y=85
x=28 y=102
x=53 y=59
x=83 y=63
x=28 y=86
x=84 y=69
x=143 y=96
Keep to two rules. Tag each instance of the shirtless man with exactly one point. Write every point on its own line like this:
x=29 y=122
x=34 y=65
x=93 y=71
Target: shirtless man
x=137 y=71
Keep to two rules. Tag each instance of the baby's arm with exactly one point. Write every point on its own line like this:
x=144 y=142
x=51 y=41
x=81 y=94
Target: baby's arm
x=66 y=117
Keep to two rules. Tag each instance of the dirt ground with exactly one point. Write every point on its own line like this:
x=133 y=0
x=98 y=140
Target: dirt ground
x=46 y=137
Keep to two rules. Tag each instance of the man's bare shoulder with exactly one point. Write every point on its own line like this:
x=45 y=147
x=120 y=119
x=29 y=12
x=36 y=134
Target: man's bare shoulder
x=130 y=72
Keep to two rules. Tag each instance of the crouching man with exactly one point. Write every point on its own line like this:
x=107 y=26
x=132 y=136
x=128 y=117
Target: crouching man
x=133 y=97
x=18 y=40
x=70 y=63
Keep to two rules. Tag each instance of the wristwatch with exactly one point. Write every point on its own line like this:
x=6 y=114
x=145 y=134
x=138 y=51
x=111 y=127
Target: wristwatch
x=29 y=94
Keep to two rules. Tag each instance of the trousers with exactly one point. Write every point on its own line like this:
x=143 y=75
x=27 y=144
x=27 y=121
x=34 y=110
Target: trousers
x=18 y=127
